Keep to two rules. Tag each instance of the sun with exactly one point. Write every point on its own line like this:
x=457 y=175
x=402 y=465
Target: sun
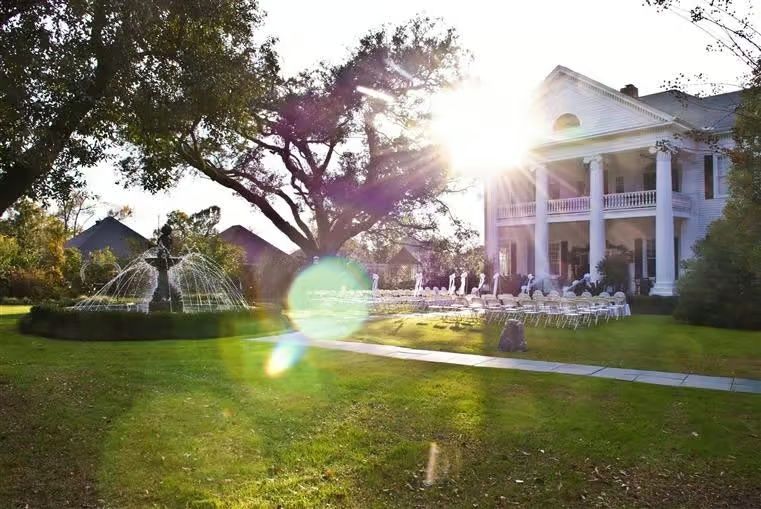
x=483 y=130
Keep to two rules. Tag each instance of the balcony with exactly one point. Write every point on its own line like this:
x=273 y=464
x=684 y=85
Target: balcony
x=634 y=201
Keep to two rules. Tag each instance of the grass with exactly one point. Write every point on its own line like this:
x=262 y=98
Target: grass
x=199 y=424
x=642 y=342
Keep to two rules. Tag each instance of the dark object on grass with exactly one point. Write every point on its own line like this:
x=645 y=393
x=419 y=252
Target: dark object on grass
x=513 y=337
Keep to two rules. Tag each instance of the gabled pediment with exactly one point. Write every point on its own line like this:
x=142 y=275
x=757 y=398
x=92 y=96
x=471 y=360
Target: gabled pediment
x=570 y=106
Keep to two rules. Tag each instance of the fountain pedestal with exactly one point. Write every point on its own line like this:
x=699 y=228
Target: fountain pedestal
x=165 y=297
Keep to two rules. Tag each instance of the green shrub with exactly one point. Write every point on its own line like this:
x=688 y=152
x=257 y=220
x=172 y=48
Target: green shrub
x=718 y=287
x=653 y=304
x=65 y=323
x=614 y=271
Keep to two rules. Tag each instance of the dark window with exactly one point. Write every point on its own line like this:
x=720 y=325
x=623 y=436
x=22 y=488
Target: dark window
x=566 y=121
x=564 y=259
x=637 y=258
x=648 y=181
x=554 y=189
x=650 y=257
x=708 y=176
x=580 y=188
x=675 y=180
x=605 y=181
x=620 y=184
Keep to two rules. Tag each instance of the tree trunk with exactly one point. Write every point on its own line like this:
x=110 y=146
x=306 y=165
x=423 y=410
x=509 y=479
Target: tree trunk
x=16 y=182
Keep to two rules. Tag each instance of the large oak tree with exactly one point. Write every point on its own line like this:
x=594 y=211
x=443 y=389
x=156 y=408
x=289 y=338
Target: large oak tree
x=333 y=152
x=78 y=77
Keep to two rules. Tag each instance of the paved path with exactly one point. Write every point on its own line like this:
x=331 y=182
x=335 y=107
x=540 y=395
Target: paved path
x=720 y=383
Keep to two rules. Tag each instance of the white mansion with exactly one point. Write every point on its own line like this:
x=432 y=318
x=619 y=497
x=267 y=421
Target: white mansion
x=612 y=170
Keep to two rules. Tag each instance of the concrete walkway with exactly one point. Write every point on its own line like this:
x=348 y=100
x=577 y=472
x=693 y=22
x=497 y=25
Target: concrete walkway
x=720 y=383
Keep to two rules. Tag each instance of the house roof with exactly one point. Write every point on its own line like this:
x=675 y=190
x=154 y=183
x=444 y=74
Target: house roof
x=560 y=70
x=714 y=113
x=254 y=247
x=404 y=257
x=109 y=233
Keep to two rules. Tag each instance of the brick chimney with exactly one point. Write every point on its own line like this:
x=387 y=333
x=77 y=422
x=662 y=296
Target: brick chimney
x=630 y=90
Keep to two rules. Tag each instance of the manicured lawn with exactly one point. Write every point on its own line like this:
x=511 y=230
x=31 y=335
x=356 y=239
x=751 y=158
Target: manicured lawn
x=198 y=423
x=642 y=342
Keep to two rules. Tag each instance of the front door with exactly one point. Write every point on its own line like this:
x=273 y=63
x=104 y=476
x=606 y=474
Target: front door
x=579 y=259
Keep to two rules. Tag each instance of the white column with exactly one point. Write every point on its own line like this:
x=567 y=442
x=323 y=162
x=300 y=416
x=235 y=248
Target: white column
x=541 y=228
x=664 y=226
x=491 y=235
x=596 y=219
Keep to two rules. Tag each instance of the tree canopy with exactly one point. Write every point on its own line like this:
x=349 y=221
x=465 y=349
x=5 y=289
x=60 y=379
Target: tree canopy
x=332 y=152
x=80 y=77
x=197 y=232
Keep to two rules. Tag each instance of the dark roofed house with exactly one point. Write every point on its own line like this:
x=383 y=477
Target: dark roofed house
x=412 y=257
x=110 y=233
x=255 y=248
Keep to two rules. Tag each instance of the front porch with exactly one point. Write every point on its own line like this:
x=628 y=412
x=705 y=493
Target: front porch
x=568 y=249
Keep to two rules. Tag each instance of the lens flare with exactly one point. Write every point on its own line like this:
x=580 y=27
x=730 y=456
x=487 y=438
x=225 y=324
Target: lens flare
x=484 y=130
x=430 y=469
x=328 y=300
x=284 y=356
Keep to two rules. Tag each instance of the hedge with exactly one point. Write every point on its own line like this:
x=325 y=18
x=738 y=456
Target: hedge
x=63 y=323
x=653 y=305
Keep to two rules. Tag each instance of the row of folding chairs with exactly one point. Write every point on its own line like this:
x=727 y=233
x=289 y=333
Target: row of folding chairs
x=553 y=310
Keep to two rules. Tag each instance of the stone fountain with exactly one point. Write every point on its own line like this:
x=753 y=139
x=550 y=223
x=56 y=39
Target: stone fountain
x=165 y=296
x=156 y=281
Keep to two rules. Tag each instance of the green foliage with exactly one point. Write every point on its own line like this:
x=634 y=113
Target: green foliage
x=64 y=323
x=80 y=77
x=614 y=272
x=33 y=260
x=718 y=287
x=101 y=266
x=198 y=233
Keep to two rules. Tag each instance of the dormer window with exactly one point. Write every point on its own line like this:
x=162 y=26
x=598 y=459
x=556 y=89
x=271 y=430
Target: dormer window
x=566 y=121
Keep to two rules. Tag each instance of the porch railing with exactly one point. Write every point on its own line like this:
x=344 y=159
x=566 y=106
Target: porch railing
x=615 y=201
x=630 y=200
x=568 y=205
x=525 y=209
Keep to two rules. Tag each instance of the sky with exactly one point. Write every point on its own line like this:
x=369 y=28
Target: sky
x=514 y=45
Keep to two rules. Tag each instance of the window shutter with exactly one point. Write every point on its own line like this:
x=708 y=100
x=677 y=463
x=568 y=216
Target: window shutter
x=513 y=258
x=708 y=176
x=675 y=179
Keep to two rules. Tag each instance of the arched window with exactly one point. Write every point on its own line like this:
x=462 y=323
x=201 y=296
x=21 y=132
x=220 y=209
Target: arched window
x=566 y=121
